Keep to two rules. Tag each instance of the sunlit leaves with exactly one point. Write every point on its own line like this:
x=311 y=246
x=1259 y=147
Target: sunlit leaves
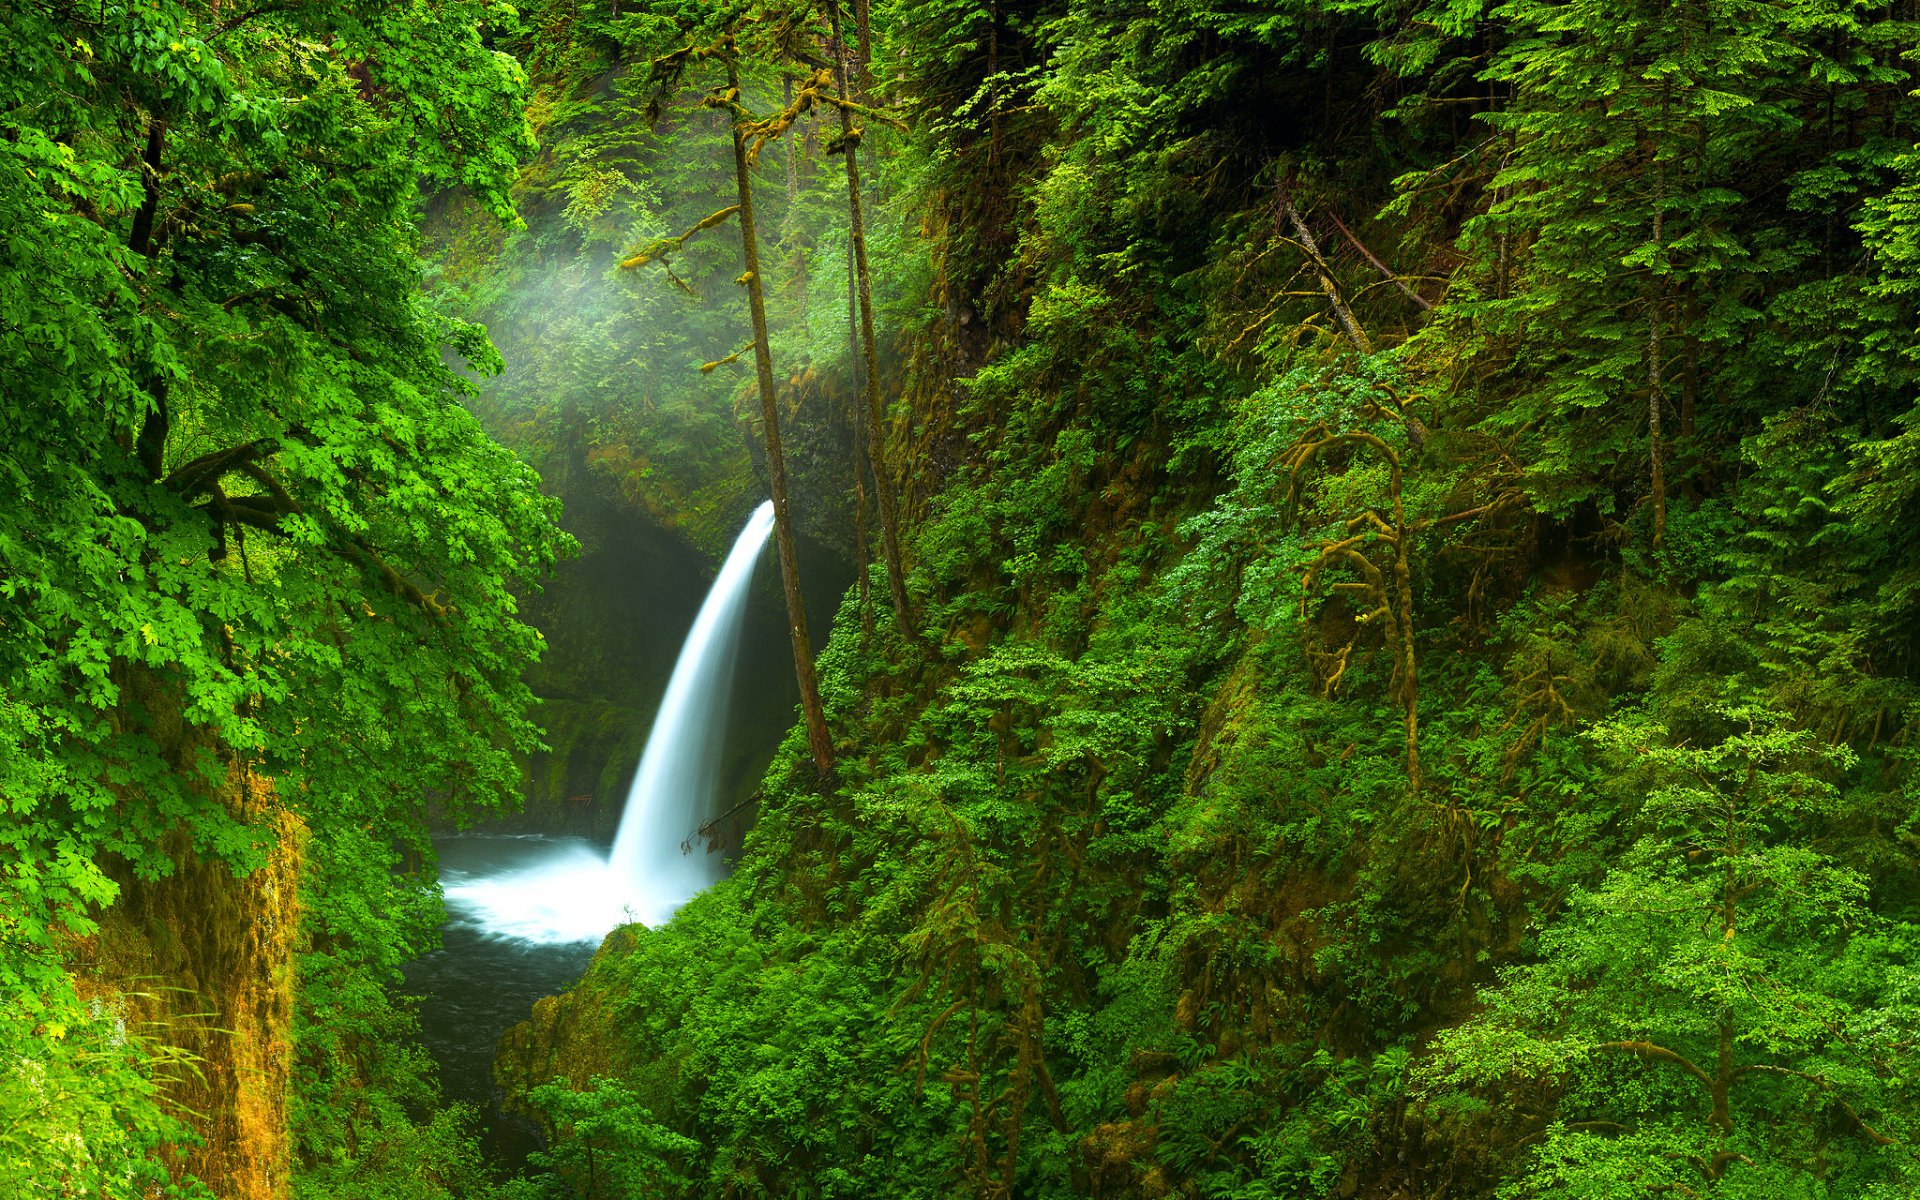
x=245 y=517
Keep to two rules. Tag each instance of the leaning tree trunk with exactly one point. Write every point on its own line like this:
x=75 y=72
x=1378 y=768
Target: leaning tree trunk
x=876 y=413
x=815 y=716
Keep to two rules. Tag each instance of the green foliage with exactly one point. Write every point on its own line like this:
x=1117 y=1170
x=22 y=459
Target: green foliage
x=437 y=1157
x=1131 y=884
x=609 y=1144
x=250 y=531
x=1722 y=998
x=79 y=1102
x=367 y=1116
x=1666 y=192
x=1333 y=760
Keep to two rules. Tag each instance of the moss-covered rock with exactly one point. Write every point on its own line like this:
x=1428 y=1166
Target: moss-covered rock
x=573 y=1036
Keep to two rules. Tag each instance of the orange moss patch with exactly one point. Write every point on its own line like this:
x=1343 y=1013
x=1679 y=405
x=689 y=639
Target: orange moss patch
x=205 y=962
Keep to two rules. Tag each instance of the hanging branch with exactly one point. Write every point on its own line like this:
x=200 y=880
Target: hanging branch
x=661 y=247
x=1543 y=707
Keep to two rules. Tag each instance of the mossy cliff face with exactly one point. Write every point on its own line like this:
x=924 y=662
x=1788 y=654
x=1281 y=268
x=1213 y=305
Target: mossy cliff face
x=203 y=960
x=613 y=619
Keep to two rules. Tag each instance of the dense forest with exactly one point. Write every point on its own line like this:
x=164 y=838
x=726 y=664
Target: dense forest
x=1382 y=659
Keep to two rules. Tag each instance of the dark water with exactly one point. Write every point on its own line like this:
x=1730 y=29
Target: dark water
x=477 y=987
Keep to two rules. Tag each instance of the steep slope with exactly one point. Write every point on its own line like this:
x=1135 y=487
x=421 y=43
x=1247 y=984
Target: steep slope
x=1411 y=671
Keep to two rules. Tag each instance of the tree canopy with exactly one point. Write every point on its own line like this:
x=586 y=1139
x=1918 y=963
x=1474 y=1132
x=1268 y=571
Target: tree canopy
x=249 y=530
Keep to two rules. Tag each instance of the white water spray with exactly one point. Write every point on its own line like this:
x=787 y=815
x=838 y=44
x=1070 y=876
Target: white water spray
x=657 y=863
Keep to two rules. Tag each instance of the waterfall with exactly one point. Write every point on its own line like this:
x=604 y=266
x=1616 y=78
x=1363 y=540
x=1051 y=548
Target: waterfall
x=561 y=890
x=673 y=791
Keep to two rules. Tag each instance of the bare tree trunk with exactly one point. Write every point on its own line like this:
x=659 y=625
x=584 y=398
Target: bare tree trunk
x=1403 y=616
x=1341 y=312
x=1653 y=370
x=793 y=151
x=862 y=551
x=863 y=26
x=789 y=227
x=876 y=412
x=815 y=716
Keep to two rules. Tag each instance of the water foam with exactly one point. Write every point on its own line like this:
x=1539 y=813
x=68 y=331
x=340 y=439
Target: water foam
x=572 y=893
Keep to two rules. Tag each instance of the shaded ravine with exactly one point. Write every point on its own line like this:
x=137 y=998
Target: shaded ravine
x=483 y=980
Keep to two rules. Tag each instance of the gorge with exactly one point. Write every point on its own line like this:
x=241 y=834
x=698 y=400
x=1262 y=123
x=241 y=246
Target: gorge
x=1343 y=623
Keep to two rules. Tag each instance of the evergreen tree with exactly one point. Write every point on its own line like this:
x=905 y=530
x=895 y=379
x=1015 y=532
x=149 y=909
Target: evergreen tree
x=1721 y=1010
x=1630 y=252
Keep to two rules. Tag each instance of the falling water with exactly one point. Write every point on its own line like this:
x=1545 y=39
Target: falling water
x=568 y=892
x=672 y=792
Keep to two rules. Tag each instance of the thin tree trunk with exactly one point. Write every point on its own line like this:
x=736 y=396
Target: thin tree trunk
x=876 y=412
x=862 y=552
x=1403 y=617
x=793 y=151
x=1689 y=382
x=789 y=226
x=1653 y=369
x=815 y=716
x=1320 y=269
x=863 y=25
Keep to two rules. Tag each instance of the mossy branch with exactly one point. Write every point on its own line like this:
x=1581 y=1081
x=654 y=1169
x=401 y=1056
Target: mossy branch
x=661 y=247
x=708 y=368
x=666 y=70
x=817 y=89
x=884 y=116
x=810 y=91
x=1653 y=1052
